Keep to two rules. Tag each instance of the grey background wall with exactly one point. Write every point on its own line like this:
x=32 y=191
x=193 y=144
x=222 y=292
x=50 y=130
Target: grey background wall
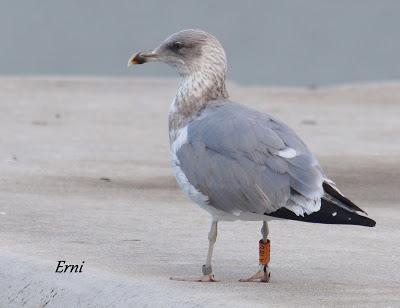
x=275 y=42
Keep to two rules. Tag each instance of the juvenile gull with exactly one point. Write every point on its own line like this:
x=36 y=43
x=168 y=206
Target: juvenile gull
x=235 y=162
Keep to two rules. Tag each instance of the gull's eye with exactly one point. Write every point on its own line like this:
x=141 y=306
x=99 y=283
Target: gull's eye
x=177 y=45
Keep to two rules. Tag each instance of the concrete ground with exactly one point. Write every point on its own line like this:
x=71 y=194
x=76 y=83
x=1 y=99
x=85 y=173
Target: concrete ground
x=85 y=176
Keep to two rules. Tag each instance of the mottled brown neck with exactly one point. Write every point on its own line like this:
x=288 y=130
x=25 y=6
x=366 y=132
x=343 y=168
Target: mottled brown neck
x=195 y=93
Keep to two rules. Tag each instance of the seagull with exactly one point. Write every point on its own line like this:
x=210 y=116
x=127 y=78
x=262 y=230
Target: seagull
x=236 y=162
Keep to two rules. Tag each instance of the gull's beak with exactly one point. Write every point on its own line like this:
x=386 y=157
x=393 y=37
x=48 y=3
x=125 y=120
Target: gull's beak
x=143 y=57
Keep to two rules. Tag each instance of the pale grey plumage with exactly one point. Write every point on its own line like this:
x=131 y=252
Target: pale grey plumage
x=236 y=162
x=231 y=157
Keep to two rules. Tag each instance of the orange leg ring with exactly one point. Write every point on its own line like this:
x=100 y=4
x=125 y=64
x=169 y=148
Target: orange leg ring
x=264 y=252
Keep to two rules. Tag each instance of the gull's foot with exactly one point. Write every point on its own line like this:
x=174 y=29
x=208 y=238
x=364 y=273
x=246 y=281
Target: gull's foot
x=204 y=278
x=261 y=276
x=208 y=276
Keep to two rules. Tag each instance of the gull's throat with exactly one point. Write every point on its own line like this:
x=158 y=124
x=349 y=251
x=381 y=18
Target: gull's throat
x=196 y=91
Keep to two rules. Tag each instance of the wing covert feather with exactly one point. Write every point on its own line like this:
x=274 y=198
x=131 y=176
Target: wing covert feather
x=232 y=156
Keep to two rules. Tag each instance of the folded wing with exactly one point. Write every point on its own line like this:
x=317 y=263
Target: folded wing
x=246 y=161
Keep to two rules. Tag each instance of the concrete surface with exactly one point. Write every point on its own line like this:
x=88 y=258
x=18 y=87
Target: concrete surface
x=85 y=177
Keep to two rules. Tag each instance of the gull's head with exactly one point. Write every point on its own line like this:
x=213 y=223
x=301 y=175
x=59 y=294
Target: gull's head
x=187 y=51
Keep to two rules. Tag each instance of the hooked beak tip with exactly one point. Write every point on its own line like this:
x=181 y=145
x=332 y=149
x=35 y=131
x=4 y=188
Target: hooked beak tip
x=142 y=57
x=135 y=59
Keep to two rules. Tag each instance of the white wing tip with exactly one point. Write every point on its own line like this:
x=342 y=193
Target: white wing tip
x=287 y=153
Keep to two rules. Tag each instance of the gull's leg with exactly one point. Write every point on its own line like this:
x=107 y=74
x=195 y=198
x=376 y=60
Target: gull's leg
x=212 y=237
x=264 y=273
x=207 y=269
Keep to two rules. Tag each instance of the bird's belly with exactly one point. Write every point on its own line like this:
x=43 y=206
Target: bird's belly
x=184 y=184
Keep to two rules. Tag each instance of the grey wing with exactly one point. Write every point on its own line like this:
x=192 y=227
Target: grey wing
x=246 y=161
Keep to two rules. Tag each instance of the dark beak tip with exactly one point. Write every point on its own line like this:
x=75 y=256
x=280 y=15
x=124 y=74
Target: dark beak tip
x=138 y=59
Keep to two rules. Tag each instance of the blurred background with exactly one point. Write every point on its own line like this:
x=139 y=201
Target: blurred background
x=275 y=42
